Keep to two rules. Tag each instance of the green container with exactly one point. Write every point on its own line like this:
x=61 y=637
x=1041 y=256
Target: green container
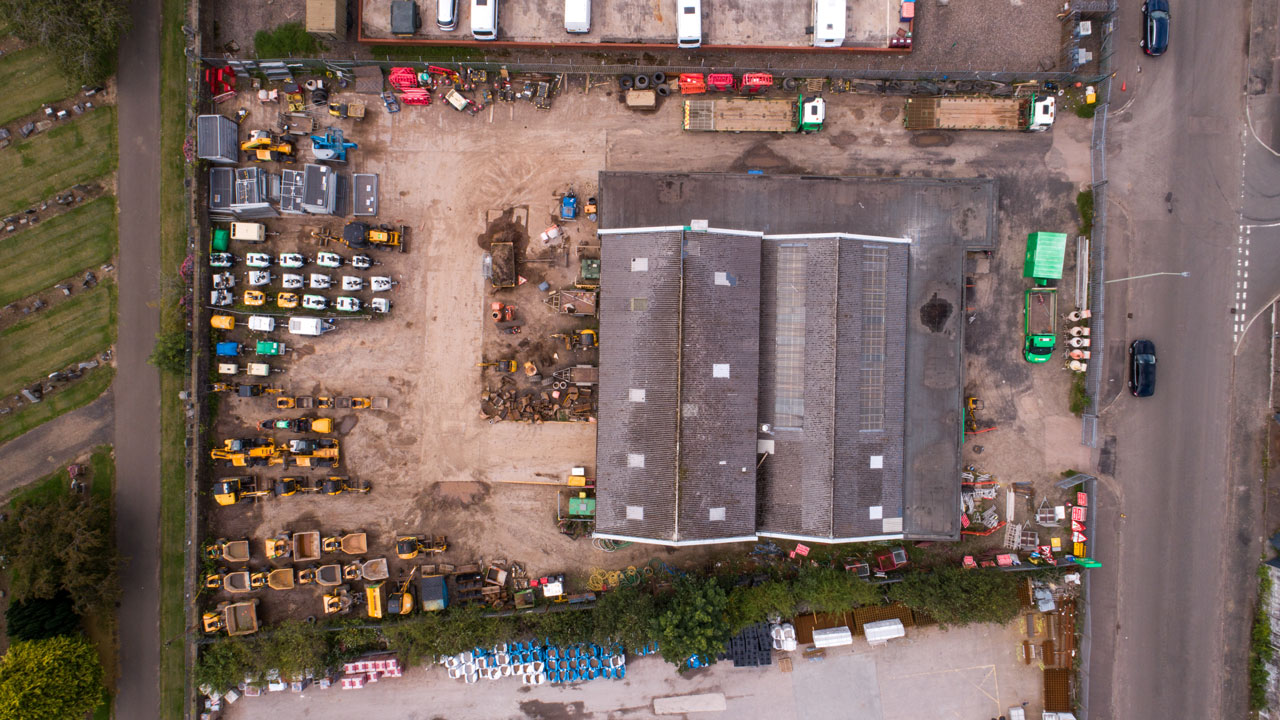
x=1046 y=252
x=221 y=240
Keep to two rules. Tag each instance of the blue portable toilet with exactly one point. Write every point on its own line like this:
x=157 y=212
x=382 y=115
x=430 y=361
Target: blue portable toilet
x=228 y=349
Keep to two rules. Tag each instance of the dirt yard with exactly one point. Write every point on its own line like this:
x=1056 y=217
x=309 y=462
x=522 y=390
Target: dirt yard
x=436 y=464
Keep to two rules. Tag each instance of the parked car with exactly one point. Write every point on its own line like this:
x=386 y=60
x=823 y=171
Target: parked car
x=1142 y=368
x=1155 y=26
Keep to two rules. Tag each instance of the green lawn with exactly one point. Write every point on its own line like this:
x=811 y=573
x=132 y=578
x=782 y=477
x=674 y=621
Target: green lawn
x=34 y=259
x=173 y=477
x=29 y=79
x=52 y=339
x=79 y=394
x=73 y=151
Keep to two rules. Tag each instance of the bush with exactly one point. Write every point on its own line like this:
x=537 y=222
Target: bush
x=829 y=590
x=63 y=544
x=288 y=40
x=293 y=646
x=1086 y=110
x=624 y=615
x=40 y=619
x=693 y=622
x=749 y=605
x=1084 y=206
x=223 y=663
x=955 y=596
x=171 y=352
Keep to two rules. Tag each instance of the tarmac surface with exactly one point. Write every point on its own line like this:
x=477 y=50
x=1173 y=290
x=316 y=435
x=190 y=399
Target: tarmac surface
x=1178 y=530
x=137 y=384
x=48 y=447
x=969 y=672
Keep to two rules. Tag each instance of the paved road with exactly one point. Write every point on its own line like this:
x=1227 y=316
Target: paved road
x=137 y=429
x=48 y=447
x=1178 y=535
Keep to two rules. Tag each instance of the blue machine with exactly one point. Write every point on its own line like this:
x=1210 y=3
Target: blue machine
x=228 y=349
x=569 y=206
x=331 y=146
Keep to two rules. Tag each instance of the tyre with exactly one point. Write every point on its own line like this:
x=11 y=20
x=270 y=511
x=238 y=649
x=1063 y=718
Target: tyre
x=790 y=84
x=642 y=82
x=626 y=82
x=663 y=90
x=658 y=78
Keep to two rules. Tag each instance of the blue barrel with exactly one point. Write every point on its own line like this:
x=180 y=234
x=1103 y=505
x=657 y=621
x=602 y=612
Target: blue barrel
x=621 y=672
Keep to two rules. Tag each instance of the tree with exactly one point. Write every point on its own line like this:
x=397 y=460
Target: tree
x=50 y=679
x=223 y=663
x=65 y=543
x=955 y=596
x=624 y=615
x=693 y=622
x=171 y=351
x=749 y=605
x=830 y=590
x=40 y=619
x=292 y=647
x=82 y=35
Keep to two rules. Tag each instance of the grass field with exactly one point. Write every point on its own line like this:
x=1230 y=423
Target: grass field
x=173 y=476
x=79 y=394
x=33 y=260
x=72 y=152
x=51 y=340
x=29 y=80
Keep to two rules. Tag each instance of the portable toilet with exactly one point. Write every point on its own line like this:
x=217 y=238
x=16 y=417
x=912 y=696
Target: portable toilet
x=221 y=241
x=1045 y=254
x=228 y=349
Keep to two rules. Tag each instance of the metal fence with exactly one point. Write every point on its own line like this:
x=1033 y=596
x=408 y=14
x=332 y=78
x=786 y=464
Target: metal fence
x=930 y=81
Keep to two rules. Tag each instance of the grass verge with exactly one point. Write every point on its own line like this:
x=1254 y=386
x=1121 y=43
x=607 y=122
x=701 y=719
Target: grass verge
x=1078 y=396
x=74 y=151
x=426 y=53
x=29 y=79
x=173 y=234
x=35 y=259
x=1260 y=650
x=48 y=341
x=101 y=627
x=81 y=393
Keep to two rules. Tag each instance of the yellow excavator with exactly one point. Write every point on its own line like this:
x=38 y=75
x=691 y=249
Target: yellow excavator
x=249 y=452
x=314 y=452
x=229 y=491
x=360 y=236
x=409 y=546
x=264 y=147
x=400 y=601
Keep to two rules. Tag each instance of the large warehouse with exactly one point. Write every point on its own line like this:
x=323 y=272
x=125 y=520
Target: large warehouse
x=772 y=379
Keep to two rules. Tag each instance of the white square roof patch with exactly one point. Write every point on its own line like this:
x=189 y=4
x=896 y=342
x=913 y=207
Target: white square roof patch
x=877 y=462
x=720 y=370
x=635 y=460
x=636 y=395
x=716 y=514
x=877 y=512
x=639 y=264
x=635 y=512
x=892 y=525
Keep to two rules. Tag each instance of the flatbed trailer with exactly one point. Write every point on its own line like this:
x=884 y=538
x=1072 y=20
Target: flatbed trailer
x=979 y=113
x=739 y=114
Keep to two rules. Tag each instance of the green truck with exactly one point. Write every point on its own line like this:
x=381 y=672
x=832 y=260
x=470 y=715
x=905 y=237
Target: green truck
x=1046 y=252
x=1040 y=307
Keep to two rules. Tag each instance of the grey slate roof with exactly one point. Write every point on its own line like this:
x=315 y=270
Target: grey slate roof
x=682 y=318
x=217 y=139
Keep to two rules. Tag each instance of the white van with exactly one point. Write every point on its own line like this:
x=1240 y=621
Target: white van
x=484 y=19
x=688 y=23
x=828 y=23
x=577 y=16
x=447 y=14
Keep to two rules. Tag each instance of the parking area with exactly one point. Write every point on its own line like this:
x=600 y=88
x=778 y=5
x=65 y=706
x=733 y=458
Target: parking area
x=971 y=672
x=868 y=23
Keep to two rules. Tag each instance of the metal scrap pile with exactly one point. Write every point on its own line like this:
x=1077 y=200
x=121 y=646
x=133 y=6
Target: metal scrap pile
x=571 y=404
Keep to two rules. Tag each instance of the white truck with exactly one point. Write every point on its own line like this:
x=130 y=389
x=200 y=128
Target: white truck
x=312 y=326
x=249 y=232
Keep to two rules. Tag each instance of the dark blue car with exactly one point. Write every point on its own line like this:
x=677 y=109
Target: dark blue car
x=1142 y=368
x=1155 y=26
